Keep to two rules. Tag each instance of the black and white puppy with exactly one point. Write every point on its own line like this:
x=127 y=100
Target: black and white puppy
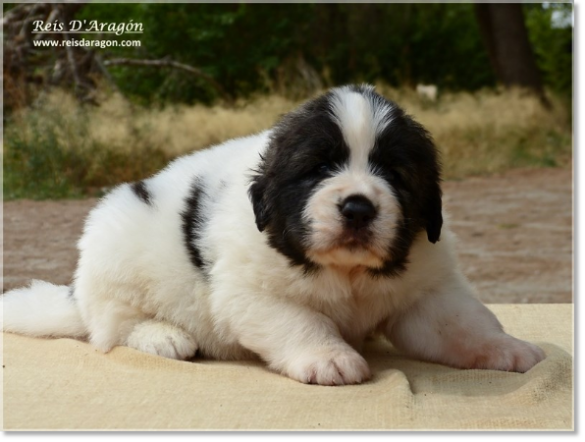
x=293 y=245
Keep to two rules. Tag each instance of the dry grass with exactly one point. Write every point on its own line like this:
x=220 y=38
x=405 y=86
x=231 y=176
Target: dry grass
x=489 y=132
x=92 y=147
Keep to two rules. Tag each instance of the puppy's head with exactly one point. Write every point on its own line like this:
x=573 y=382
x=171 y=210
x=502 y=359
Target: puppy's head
x=348 y=180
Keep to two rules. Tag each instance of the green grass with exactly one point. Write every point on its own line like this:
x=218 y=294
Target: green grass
x=49 y=155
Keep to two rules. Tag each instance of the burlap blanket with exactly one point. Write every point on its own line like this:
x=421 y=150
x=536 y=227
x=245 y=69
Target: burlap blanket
x=66 y=384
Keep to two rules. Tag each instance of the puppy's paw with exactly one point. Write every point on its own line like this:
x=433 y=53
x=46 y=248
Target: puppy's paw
x=162 y=339
x=508 y=354
x=330 y=367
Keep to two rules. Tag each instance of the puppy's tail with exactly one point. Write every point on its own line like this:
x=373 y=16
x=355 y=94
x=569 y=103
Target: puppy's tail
x=42 y=309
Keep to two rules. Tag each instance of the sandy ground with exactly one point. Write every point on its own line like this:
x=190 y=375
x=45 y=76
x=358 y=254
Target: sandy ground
x=515 y=236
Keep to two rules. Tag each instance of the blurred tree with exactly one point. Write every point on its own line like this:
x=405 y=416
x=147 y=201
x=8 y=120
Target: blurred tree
x=297 y=48
x=240 y=45
x=28 y=67
x=552 y=40
x=506 y=38
x=239 y=49
x=400 y=44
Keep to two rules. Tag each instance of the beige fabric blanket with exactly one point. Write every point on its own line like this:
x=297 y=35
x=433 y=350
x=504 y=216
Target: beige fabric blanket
x=66 y=384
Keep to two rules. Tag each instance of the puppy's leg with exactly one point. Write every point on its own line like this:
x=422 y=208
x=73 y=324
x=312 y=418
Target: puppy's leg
x=109 y=320
x=294 y=340
x=162 y=339
x=113 y=321
x=453 y=328
x=122 y=324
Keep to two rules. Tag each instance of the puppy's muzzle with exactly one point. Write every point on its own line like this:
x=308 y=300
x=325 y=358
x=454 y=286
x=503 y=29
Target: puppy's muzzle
x=358 y=212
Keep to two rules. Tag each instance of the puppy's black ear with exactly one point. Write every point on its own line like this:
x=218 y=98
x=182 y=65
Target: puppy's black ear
x=256 y=192
x=433 y=213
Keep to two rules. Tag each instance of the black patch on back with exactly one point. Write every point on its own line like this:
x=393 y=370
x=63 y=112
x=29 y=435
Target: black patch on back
x=305 y=147
x=193 y=223
x=141 y=191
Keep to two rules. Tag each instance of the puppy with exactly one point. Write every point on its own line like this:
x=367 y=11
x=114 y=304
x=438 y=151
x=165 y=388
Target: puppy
x=292 y=245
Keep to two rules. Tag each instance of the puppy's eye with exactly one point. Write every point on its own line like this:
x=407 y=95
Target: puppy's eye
x=323 y=168
x=393 y=176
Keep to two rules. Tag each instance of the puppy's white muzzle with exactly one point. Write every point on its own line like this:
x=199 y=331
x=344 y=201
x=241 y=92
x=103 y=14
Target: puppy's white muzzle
x=353 y=219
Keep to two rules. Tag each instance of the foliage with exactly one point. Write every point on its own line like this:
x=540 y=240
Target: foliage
x=405 y=44
x=553 y=46
x=246 y=46
x=265 y=48
x=235 y=43
x=52 y=151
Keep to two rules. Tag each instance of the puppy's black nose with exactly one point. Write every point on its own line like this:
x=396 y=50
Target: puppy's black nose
x=358 y=211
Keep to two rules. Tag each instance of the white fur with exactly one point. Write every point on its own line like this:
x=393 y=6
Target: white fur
x=326 y=246
x=42 y=309
x=136 y=286
x=359 y=122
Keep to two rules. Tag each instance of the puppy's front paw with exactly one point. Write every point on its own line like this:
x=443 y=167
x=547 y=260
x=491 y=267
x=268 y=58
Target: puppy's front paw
x=508 y=354
x=161 y=339
x=330 y=367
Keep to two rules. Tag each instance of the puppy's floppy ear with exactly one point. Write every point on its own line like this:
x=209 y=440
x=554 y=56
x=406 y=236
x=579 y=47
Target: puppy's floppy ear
x=256 y=192
x=433 y=213
x=432 y=208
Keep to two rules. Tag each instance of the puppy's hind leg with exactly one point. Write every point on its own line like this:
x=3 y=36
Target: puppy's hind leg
x=452 y=327
x=110 y=321
x=162 y=339
x=113 y=321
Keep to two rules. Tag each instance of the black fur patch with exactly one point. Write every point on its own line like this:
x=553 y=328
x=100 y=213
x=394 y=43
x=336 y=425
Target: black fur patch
x=406 y=157
x=306 y=146
x=141 y=191
x=193 y=222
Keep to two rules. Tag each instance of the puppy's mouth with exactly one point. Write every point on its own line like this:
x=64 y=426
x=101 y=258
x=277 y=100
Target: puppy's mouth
x=351 y=248
x=353 y=239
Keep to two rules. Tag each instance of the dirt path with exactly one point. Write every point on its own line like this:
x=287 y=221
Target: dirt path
x=515 y=236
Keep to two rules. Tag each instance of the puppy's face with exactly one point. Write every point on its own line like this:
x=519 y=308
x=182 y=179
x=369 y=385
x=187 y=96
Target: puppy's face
x=348 y=180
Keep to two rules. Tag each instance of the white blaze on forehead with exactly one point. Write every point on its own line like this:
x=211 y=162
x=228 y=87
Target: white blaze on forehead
x=360 y=118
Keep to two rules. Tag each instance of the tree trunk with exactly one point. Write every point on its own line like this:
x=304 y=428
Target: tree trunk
x=505 y=36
